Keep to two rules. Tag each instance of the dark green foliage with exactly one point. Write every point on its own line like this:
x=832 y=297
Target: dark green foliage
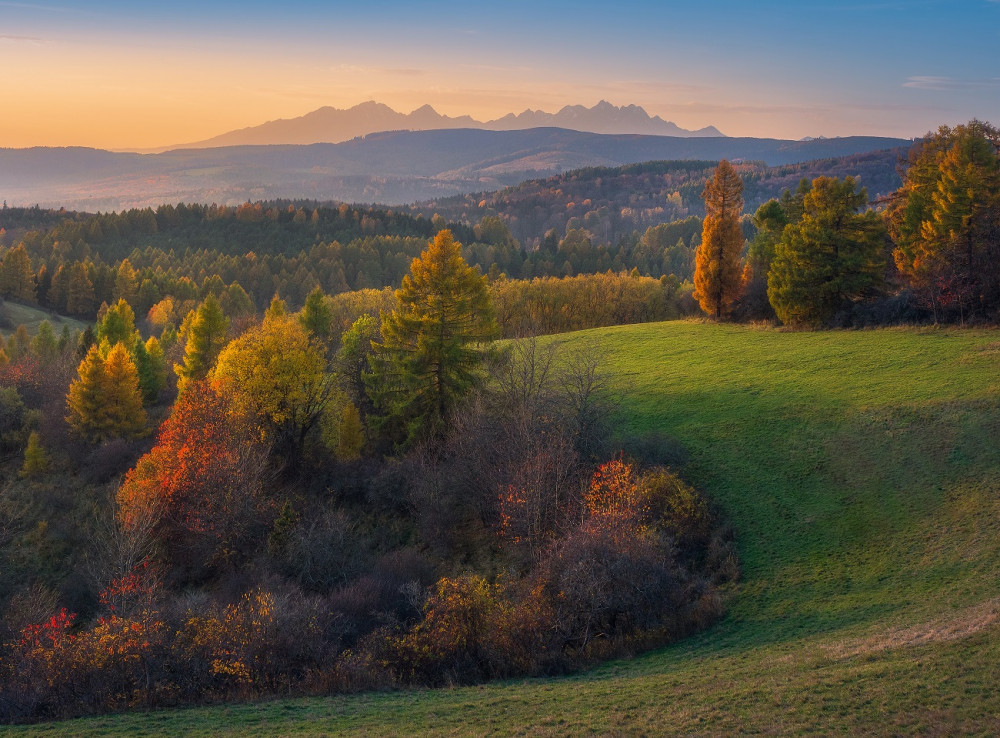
x=831 y=258
x=433 y=344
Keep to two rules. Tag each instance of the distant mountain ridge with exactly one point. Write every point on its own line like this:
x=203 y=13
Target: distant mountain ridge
x=391 y=168
x=333 y=125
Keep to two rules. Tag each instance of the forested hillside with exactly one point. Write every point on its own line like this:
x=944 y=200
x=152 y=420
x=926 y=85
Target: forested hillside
x=612 y=202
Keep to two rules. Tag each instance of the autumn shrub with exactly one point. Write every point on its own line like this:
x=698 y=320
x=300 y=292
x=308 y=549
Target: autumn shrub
x=112 y=458
x=323 y=550
x=201 y=487
x=260 y=644
x=465 y=635
x=609 y=583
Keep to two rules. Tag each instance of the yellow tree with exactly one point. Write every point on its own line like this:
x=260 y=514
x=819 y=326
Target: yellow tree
x=718 y=270
x=277 y=374
x=105 y=400
x=16 y=278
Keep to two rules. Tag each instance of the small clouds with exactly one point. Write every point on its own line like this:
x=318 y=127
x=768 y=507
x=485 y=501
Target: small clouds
x=7 y=38
x=950 y=83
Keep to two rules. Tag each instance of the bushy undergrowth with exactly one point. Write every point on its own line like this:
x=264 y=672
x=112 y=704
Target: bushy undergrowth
x=512 y=546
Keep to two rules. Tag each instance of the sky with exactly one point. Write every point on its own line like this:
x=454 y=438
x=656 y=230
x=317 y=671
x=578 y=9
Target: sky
x=119 y=75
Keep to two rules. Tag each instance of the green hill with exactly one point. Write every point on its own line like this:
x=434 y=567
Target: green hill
x=861 y=472
x=13 y=314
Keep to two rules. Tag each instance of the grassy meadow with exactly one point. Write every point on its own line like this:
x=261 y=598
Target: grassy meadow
x=861 y=473
x=31 y=317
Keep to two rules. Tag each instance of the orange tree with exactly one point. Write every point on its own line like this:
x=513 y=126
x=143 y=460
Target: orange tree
x=718 y=271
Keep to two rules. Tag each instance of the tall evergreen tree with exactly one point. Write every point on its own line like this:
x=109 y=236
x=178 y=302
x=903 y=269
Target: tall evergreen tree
x=86 y=398
x=317 y=317
x=833 y=256
x=123 y=402
x=433 y=344
x=718 y=269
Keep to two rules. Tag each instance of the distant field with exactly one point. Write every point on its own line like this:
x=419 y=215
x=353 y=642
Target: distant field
x=31 y=317
x=861 y=471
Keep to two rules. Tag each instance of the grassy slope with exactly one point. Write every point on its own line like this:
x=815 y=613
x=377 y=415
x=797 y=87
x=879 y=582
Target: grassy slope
x=32 y=317
x=861 y=472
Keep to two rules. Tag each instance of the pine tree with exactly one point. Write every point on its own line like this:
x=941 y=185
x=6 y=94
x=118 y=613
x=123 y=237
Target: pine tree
x=117 y=325
x=45 y=345
x=153 y=372
x=834 y=256
x=19 y=344
x=206 y=337
x=433 y=344
x=317 y=317
x=351 y=436
x=126 y=283
x=79 y=291
x=105 y=401
x=718 y=269
x=945 y=220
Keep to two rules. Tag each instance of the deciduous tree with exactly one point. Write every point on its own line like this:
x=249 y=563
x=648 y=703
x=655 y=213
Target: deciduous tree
x=945 y=220
x=718 y=269
x=276 y=374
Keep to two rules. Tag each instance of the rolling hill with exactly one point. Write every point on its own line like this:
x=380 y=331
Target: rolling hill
x=860 y=471
x=391 y=168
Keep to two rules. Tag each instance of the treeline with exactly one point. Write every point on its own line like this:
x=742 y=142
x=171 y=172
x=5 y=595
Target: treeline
x=74 y=277
x=644 y=216
x=821 y=256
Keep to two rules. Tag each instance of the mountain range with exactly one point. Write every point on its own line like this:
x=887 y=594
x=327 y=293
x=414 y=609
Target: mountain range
x=332 y=125
x=389 y=168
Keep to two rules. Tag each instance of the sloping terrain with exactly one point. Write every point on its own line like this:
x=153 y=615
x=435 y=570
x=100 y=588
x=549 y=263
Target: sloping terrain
x=860 y=471
x=394 y=168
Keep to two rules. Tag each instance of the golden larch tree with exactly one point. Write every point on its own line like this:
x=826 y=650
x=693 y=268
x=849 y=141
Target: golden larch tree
x=718 y=271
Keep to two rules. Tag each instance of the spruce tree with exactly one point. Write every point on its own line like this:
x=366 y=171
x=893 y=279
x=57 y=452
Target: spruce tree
x=123 y=402
x=87 y=396
x=317 y=317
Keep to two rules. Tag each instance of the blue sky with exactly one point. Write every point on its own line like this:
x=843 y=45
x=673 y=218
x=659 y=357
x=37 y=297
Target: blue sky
x=118 y=75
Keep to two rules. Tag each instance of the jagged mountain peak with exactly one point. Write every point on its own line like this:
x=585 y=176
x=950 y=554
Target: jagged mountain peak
x=333 y=125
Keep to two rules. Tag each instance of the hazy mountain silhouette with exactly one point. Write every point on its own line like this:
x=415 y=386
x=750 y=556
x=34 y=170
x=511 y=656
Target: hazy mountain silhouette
x=332 y=125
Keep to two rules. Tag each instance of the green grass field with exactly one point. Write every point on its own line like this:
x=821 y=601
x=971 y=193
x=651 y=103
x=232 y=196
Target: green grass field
x=32 y=317
x=861 y=472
